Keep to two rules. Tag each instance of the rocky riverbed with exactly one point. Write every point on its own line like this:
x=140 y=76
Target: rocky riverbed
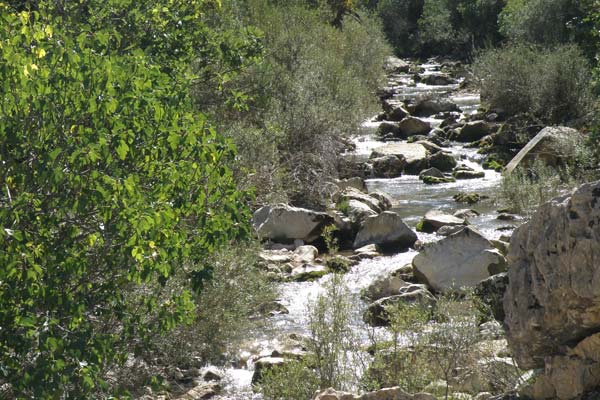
x=415 y=215
x=384 y=200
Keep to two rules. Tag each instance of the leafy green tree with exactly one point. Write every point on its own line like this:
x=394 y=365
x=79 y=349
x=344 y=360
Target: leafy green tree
x=110 y=182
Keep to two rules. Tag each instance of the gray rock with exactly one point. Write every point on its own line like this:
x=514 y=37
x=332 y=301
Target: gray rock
x=553 y=294
x=388 y=128
x=437 y=79
x=429 y=107
x=491 y=292
x=263 y=364
x=397 y=113
x=384 y=286
x=388 y=166
x=414 y=154
x=376 y=314
x=553 y=146
x=443 y=161
x=434 y=172
x=473 y=131
x=458 y=261
x=282 y=222
x=386 y=230
x=435 y=219
x=395 y=65
x=410 y=126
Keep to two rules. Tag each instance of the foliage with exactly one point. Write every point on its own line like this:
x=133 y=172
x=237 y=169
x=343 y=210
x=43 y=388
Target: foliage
x=552 y=85
x=400 y=361
x=332 y=342
x=399 y=19
x=525 y=189
x=294 y=380
x=453 y=340
x=435 y=345
x=338 y=264
x=228 y=307
x=440 y=27
x=331 y=241
x=111 y=185
x=549 y=22
x=315 y=85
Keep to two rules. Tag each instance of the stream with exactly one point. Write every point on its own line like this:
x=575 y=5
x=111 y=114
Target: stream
x=411 y=199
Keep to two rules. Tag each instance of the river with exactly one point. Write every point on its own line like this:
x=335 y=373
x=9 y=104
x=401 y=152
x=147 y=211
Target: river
x=411 y=199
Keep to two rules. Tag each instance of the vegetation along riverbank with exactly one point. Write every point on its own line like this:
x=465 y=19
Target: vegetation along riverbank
x=300 y=199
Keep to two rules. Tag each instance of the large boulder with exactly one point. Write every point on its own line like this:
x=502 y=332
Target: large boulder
x=386 y=230
x=435 y=219
x=411 y=126
x=443 y=161
x=553 y=146
x=473 y=131
x=388 y=166
x=437 y=79
x=285 y=223
x=415 y=155
x=428 y=107
x=458 y=261
x=395 y=65
x=553 y=296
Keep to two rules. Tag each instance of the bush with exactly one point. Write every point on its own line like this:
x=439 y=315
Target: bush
x=552 y=85
x=229 y=307
x=294 y=380
x=333 y=343
x=547 y=22
x=439 y=345
x=315 y=86
x=524 y=190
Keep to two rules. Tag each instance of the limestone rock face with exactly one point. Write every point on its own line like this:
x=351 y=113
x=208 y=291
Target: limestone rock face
x=282 y=222
x=459 y=260
x=552 y=146
x=553 y=295
x=386 y=230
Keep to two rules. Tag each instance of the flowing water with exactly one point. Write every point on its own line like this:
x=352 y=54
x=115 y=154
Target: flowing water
x=411 y=199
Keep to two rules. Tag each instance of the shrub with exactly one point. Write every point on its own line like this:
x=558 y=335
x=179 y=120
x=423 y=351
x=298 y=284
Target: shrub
x=315 y=85
x=333 y=343
x=228 y=309
x=524 y=190
x=553 y=85
x=294 y=380
x=399 y=19
x=547 y=22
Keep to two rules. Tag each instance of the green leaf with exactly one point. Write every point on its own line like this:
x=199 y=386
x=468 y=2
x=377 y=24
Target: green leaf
x=122 y=150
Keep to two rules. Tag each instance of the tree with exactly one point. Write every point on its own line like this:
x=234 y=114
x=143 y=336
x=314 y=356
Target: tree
x=111 y=184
